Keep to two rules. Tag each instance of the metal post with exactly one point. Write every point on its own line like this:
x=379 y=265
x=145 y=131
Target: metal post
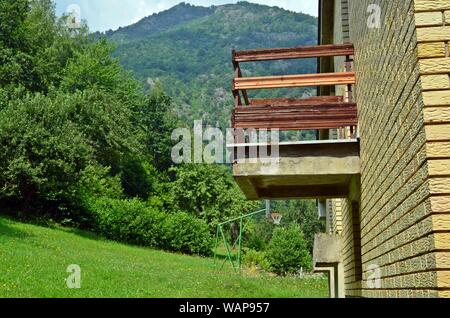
x=228 y=249
x=240 y=242
x=216 y=246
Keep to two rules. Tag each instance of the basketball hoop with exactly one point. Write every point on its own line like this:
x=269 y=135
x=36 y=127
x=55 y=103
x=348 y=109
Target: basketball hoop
x=276 y=218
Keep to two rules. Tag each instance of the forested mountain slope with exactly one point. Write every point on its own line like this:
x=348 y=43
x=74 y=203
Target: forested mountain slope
x=188 y=49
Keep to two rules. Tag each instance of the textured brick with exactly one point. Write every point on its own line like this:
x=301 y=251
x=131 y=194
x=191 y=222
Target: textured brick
x=435 y=49
x=436 y=98
x=435 y=66
x=439 y=168
x=440 y=204
x=447 y=17
x=438 y=132
x=431 y=34
x=431 y=5
x=429 y=19
x=435 y=82
x=438 y=149
x=437 y=115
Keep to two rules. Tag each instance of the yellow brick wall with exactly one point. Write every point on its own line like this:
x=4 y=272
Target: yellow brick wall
x=433 y=36
x=403 y=96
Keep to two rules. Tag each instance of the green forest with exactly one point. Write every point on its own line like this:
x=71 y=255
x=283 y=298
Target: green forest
x=85 y=141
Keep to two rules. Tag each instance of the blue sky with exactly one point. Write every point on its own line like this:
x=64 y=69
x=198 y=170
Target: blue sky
x=103 y=15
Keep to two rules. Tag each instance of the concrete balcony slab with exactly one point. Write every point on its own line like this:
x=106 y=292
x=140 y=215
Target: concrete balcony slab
x=312 y=169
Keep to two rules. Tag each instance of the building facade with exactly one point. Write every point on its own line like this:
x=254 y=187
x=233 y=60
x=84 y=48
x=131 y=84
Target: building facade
x=395 y=225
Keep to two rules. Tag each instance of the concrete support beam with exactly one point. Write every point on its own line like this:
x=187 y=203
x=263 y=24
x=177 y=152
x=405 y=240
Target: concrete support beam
x=327 y=258
x=314 y=170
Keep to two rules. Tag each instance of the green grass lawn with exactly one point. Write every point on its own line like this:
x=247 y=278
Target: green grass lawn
x=33 y=263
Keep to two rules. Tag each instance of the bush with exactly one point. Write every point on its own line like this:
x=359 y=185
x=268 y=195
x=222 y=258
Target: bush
x=258 y=234
x=129 y=221
x=254 y=258
x=133 y=221
x=187 y=234
x=288 y=251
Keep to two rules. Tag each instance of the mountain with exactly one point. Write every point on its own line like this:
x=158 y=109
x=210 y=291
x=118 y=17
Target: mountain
x=159 y=22
x=188 y=49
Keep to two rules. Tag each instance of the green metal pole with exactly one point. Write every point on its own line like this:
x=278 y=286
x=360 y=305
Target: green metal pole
x=228 y=249
x=243 y=216
x=241 y=231
x=215 y=247
x=240 y=242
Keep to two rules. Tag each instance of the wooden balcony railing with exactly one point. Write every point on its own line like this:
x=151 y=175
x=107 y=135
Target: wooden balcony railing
x=325 y=112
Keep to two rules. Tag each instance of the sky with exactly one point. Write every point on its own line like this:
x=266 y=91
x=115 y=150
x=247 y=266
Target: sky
x=103 y=15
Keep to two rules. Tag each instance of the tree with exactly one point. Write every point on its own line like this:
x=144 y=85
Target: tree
x=288 y=252
x=209 y=192
x=48 y=142
x=158 y=121
x=12 y=17
x=42 y=153
x=304 y=213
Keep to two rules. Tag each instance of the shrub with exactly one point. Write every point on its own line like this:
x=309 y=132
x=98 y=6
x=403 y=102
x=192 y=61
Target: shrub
x=258 y=234
x=187 y=234
x=288 y=251
x=133 y=221
x=130 y=221
x=254 y=258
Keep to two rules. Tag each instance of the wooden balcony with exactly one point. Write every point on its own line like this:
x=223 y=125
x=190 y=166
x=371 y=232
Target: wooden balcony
x=312 y=169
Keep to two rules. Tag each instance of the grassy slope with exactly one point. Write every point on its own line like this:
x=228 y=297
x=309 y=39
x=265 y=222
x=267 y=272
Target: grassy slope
x=33 y=262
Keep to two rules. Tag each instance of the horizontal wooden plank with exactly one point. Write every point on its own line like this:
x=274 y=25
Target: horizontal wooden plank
x=300 y=107
x=295 y=101
x=293 y=53
x=286 y=81
x=296 y=117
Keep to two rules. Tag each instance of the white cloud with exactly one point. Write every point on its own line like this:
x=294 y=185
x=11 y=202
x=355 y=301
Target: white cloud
x=110 y=14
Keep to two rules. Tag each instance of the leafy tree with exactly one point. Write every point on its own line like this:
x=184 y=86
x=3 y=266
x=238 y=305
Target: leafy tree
x=209 y=192
x=288 y=251
x=42 y=153
x=12 y=18
x=304 y=213
x=48 y=142
x=158 y=121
